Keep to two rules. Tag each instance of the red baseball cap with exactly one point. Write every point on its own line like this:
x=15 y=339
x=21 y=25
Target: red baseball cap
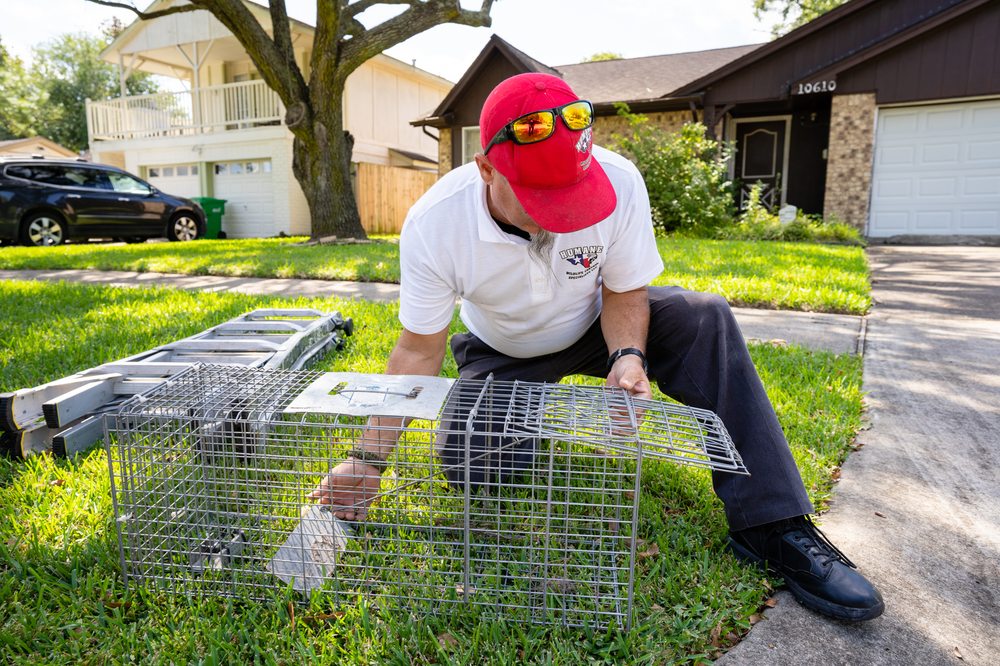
x=557 y=180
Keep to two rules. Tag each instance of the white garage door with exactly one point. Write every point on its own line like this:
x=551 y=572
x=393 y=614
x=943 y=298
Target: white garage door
x=247 y=187
x=181 y=180
x=937 y=170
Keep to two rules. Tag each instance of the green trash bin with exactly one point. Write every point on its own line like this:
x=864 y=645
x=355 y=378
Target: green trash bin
x=214 y=210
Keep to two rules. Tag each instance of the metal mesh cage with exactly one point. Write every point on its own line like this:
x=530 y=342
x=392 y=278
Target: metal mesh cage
x=520 y=498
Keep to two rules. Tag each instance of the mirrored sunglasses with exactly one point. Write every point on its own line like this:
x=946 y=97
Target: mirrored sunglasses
x=540 y=125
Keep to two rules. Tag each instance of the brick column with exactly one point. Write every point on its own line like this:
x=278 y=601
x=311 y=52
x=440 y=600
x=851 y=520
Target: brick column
x=849 y=159
x=444 y=151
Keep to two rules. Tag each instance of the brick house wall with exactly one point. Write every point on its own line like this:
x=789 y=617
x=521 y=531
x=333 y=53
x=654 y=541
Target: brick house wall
x=849 y=161
x=671 y=121
x=444 y=151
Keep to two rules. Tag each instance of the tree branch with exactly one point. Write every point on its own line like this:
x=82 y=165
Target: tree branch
x=282 y=30
x=148 y=16
x=419 y=17
x=280 y=73
x=362 y=6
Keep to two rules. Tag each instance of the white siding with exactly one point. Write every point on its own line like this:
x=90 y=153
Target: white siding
x=381 y=98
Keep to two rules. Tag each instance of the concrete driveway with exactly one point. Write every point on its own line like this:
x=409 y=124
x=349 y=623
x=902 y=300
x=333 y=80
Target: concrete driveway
x=918 y=507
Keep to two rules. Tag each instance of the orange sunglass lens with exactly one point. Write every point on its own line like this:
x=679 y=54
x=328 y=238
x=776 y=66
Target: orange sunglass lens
x=578 y=115
x=534 y=127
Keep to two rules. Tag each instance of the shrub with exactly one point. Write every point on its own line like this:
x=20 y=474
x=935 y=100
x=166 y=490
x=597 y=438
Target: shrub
x=685 y=174
x=756 y=222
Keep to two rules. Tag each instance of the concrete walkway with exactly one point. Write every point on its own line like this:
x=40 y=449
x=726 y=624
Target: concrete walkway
x=918 y=507
x=837 y=333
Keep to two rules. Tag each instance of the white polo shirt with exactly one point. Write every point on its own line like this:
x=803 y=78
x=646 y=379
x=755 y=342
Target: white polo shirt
x=451 y=247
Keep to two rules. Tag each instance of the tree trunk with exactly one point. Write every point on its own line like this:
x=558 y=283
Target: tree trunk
x=321 y=163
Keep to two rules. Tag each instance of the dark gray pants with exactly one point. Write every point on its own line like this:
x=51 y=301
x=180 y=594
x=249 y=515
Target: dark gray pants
x=697 y=356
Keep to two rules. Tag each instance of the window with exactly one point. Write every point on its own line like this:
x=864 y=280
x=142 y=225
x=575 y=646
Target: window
x=470 y=143
x=79 y=177
x=40 y=173
x=93 y=179
x=19 y=171
x=122 y=182
x=242 y=168
x=172 y=171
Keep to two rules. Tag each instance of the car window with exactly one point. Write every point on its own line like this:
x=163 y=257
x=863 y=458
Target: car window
x=93 y=179
x=122 y=182
x=60 y=174
x=49 y=174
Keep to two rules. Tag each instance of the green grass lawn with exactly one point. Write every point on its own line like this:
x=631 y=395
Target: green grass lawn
x=64 y=600
x=795 y=276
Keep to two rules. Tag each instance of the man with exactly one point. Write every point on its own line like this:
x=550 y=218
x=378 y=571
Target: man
x=548 y=241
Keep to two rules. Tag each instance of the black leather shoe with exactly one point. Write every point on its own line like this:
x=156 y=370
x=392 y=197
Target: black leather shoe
x=819 y=575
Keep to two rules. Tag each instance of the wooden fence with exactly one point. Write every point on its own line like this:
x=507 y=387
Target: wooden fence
x=385 y=194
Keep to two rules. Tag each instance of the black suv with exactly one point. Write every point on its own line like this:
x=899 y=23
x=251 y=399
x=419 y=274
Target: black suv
x=46 y=201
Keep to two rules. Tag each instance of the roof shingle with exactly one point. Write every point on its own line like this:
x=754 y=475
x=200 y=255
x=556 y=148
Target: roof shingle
x=631 y=79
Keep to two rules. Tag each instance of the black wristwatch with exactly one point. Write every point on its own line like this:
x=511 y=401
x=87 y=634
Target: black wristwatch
x=369 y=457
x=625 y=351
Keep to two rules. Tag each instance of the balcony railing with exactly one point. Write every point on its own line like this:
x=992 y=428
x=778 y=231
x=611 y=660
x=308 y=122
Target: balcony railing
x=232 y=106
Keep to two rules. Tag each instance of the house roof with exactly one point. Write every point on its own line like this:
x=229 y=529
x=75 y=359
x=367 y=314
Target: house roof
x=39 y=143
x=410 y=155
x=602 y=82
x=651 y=77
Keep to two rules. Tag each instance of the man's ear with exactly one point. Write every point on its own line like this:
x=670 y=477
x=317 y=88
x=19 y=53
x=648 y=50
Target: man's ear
x=486 y=170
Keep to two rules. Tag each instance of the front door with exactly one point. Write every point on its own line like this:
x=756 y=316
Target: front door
x=760 y=158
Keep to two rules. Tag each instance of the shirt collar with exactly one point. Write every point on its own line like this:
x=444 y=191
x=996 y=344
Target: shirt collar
x=489 y=232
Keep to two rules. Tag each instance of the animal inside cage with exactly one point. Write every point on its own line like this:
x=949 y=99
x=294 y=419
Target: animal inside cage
x=518 y=498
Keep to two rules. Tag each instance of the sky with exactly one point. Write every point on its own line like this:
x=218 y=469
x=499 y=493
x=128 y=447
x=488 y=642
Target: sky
x=555 y=32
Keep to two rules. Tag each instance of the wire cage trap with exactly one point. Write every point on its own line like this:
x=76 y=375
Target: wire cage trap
x=518 y=498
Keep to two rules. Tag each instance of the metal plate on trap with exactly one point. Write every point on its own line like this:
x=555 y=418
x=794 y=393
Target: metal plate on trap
x=311 y=551
x=357 y=394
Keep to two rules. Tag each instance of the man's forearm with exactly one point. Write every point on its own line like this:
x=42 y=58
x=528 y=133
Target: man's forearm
x=413 y=355
x=625 y=325
x=625 y=319
x=417 y=354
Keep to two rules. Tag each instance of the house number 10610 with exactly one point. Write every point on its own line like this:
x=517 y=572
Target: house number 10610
x=818 y=86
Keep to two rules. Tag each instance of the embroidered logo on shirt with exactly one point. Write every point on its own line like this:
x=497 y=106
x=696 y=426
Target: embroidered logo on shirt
x=582 y=259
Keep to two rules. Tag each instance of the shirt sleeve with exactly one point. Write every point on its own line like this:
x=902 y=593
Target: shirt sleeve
x=633 y=258
x=426 y=299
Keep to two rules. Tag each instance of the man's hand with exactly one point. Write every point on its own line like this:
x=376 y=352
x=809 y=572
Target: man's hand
x=627 y=373
x=351 y=485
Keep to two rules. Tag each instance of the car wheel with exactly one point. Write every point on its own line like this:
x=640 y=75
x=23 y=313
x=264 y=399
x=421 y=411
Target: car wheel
x=183 y=227
x=42 y=229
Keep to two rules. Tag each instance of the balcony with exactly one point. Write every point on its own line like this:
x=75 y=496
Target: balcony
x=229 y=107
